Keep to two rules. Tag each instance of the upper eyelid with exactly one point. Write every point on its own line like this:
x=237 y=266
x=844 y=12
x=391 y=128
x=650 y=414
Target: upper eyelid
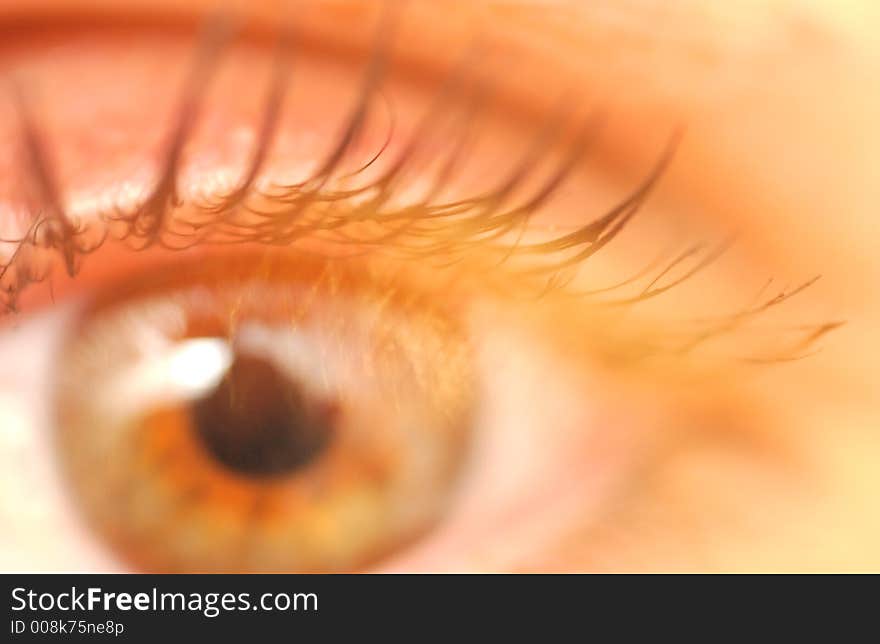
x=542 y=39
x=612 y=220
x=421 y=52
x=640 y=52
x=164 y=189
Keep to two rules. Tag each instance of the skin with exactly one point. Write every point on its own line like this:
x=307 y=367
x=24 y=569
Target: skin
x=767 y=469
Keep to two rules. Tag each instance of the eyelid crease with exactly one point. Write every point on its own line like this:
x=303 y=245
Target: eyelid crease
x=462 y=231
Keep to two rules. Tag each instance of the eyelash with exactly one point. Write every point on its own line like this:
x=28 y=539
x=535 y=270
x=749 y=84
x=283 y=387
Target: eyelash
x=455 y=230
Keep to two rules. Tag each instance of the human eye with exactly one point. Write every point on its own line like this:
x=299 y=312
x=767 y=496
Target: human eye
x=386 y=249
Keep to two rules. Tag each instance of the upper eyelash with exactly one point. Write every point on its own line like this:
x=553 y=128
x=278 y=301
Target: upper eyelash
x=453 y=229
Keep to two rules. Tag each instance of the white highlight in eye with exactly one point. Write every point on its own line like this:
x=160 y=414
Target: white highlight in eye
x=197 y=366
x=176 y=371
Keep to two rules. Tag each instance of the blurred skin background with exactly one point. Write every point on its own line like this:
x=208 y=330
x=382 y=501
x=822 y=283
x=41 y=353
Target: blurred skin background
x=768 y=469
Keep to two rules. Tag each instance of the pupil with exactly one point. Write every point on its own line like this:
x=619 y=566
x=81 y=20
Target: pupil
x=261 y=423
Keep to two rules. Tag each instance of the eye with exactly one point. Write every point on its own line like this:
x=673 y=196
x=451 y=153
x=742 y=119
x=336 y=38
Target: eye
x=256 y=415
x=285 y=313
x=256 y=390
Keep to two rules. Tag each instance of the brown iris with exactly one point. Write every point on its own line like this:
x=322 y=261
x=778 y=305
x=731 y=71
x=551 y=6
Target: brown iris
x=290 y=418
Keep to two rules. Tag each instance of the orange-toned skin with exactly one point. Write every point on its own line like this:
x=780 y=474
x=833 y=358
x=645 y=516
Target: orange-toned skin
x=775 y=471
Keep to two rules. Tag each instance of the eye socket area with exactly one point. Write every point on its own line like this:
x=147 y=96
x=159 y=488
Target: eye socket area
x=65 y=160
x=216 y=133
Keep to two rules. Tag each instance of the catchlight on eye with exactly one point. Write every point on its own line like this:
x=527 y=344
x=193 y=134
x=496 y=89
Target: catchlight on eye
x=262 y=415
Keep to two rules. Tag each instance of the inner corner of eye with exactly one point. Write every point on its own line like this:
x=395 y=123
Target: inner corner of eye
x=235 y=416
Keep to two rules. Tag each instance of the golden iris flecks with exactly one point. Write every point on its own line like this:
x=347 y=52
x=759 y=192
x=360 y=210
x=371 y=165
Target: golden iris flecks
x=262 y=415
